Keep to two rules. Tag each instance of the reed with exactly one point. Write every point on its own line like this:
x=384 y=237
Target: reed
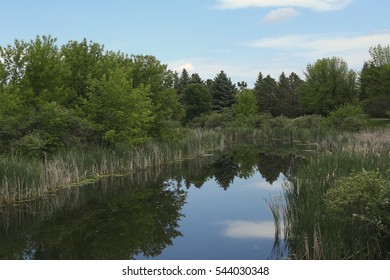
x=25 y=179
x=312 y=232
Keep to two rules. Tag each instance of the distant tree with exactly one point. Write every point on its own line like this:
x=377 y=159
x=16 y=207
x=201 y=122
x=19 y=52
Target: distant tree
x=292 y=107
x=245 y=109
x=380 y=56
x=266 y=91
x=184 y=79
x=329 y=84
x=223 y=92
x=375 y=83
x=242 y=86
x=195 y=79
x=196 y=100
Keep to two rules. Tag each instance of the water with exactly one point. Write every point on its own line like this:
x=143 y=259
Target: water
x=209 y=208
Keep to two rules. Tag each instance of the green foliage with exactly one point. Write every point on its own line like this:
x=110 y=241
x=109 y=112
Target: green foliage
x=118 y=112
x=375 y=87
x=223 y=92
x=347 y=117
x=196 y=100
x=245 y=110
x=329 y=84
x=266 y=90
x=309 y=121
x=362 y=197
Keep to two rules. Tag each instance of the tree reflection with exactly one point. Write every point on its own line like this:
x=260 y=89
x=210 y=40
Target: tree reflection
x=224 y=170
x=142 y=221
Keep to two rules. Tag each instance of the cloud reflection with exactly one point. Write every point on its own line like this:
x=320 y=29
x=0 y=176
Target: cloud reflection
x=243 y=229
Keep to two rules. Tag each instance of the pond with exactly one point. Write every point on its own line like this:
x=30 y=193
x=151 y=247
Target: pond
x=214 y=207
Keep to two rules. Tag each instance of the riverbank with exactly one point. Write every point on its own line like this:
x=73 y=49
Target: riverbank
x=26 y=179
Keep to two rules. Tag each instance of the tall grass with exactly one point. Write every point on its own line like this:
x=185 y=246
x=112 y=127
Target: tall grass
x=312 y=232
x=24 y=179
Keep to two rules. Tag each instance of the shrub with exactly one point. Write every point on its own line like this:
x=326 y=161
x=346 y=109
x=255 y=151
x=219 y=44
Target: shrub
x=308 y=121
x=348 y=117
x=362 y=197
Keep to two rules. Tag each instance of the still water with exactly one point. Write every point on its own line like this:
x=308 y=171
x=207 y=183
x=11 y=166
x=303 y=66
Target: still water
x=208 y=208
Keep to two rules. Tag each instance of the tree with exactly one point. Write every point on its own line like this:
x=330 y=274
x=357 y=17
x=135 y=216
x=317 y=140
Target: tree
x=223 y=92
x=196 y=100
x=294 y=108
x=266 y=90
x=329 y=84
x=245 y=109
x=167 y=110
x=195 y=79
x=380 y=56
x=183 y=81
x=119 y=113
x=83 y=60
x=375 y=83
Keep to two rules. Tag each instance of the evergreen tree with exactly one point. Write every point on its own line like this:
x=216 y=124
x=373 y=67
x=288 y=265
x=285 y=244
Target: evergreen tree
x=223 y=92
x=183 y=81
x=195 y=79
x=294 y=108
x=266 y=90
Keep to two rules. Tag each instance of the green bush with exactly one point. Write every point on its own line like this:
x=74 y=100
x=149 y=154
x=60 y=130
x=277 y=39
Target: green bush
x=348 y=117
x=308 y=121
x=362 y=197
x=279 y=122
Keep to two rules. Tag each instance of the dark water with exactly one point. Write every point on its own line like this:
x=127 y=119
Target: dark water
x=208 y=208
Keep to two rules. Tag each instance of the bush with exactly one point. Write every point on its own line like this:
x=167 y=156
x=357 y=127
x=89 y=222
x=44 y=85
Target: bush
x=308 y=121
x=348 y=117
x=362 y=197
x=279 y=122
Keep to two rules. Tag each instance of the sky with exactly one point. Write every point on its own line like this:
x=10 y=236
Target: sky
x=240 y=37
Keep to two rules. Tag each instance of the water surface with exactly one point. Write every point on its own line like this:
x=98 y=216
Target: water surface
x=207 y=208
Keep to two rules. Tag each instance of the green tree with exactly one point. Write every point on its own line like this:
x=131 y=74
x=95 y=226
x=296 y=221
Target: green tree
x=196 y=100
x=119 y=113
x=266 y=90
x=195 y=79
x=375 y=83
x=329 y=84
x=245 y=110
x=167 y=110
x=293 y=106
x=83 y=60
x=223 y=92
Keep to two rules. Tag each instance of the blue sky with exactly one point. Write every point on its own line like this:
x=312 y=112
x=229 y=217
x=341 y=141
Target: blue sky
x=241 y=37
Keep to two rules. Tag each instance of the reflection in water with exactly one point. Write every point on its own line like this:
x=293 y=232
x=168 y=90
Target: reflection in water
x=141 y=215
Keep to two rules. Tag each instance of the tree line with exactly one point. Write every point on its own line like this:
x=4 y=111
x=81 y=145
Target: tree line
x=79 y=94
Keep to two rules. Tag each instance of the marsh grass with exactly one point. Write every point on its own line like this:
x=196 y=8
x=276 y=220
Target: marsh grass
x=24 y=179
x=312 y=232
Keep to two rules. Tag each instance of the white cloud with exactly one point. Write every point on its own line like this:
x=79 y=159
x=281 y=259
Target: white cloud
x=180 y=65
x=352 y=48
x=280 y=15
x=242 y=229
x=317 y=5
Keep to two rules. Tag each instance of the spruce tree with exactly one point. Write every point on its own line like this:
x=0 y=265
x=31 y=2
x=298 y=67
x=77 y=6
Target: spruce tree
x=223 y=92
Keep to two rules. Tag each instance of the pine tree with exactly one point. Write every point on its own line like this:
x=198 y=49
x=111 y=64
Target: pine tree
x=183 y=81
x=195 y=79
x=265 y=90
x=223 y=92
